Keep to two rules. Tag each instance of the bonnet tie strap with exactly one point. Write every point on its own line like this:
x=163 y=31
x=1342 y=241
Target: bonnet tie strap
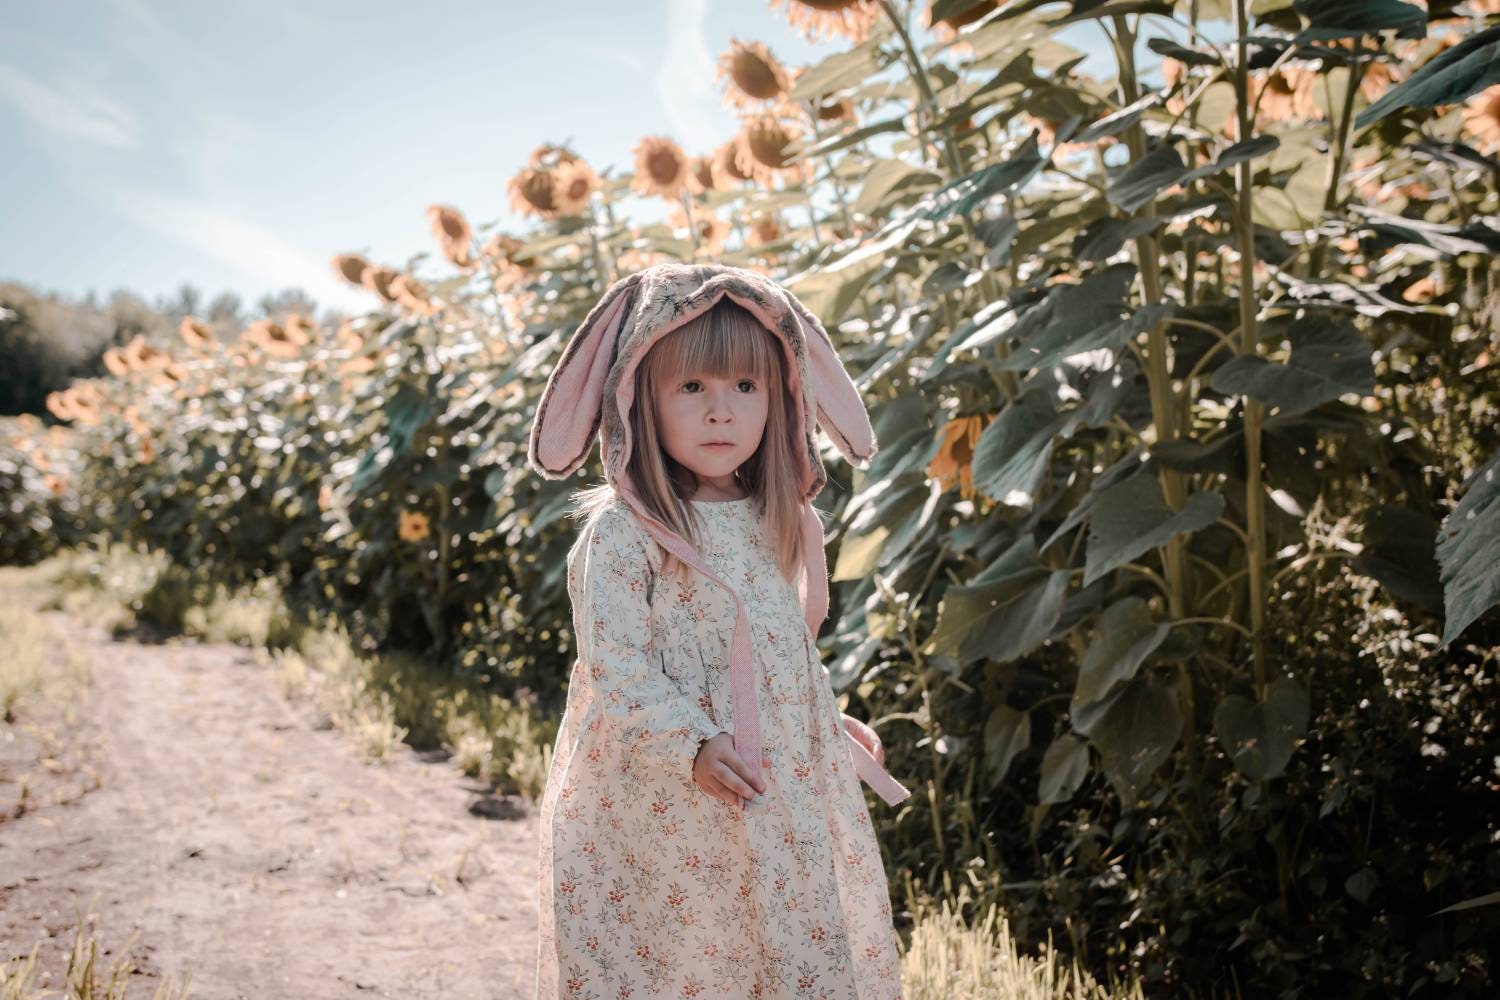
x=747 y=737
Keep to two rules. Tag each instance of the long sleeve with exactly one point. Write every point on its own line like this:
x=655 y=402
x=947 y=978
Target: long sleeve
x=648 y=713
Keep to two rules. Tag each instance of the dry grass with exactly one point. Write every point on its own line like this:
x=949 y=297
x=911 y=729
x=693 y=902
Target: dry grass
x=84 y=978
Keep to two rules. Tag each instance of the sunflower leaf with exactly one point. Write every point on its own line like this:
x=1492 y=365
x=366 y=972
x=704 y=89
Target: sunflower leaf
x=1451 y=76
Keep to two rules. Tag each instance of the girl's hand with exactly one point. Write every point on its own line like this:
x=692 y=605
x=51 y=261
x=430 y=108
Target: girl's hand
x=866 y=737
x=723 y=773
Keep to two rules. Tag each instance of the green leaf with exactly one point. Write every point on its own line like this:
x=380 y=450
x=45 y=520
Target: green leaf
x=1141 y=181
x=1451 y=76
x=1006 y=734
x=1175 y=50
x=967 y=193
x=889 y=180
x=1488 y=899
x=829 y=292
x=1131 y=517
x=1327 y=361
x=1362 y=884
x=997 y=621
x=1064 y=766
x=1468 y=550
x=1135 y=730
x=1328 y=19
x=842 y=69
x=1126 y=635
x=1399 y=551
x=1261 y=737
x=1012 y=453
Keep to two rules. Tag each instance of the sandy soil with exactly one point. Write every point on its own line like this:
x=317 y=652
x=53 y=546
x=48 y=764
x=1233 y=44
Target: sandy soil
x=247 y=842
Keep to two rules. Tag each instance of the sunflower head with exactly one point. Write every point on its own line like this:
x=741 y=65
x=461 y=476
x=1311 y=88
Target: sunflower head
x=754 y=74
x=572 y=184
x=115 y=362
x=271 y=337
x=531 y=192
x=299 y=329
x=377 y=278
x=953 y=464
x=817 y=19
x=1481 y=118
x=661 y=168
x=350 y=267
x=763 y=149
x=701 y=174
x=549 y=156
x=709 y=231
x=764 y=228
x=195 y=333
x=451 y=231
x=411 y=294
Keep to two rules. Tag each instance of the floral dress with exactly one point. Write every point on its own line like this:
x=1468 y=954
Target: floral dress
x=649 y=886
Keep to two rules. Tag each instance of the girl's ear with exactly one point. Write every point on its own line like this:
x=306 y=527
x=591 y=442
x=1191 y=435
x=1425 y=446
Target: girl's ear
x=568 y=415
x=841 y=411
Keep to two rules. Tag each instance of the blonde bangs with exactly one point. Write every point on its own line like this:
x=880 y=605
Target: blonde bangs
x=719 y=342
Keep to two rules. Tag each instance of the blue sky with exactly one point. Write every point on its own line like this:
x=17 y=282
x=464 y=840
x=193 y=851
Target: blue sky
x=238 y=145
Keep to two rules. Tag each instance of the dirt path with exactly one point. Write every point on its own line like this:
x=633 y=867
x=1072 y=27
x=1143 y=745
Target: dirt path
x=258 y=851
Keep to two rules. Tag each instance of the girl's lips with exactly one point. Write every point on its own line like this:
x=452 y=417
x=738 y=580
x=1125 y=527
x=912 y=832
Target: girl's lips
x=718 y=446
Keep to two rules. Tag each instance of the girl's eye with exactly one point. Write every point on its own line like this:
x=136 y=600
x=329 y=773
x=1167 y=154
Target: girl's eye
x=743 y=381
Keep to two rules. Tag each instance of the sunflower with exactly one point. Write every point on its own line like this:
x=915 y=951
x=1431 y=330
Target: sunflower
x=762 y=149
x=300 y=330
x=115 y=362
x=531 y=191
x=271 y=337
x=377 y=278
x=347 y=338
x=701 y=178
x=194 y=333
x=726 y=166
x=754 y=75
x=1481 y=117
x=56 y=485
x=764 y=228
x=451 y=231
x=816 y=19
x=954 y=460
x=661 y=168
x=141 y=356
x=413 y=295
x=709 y=230
x=572 y=184
x=414 y=526
x=351 y=267
x=840 y=110
x=1289 y=94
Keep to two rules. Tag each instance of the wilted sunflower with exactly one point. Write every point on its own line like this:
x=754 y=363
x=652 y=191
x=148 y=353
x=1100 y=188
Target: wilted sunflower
x=754 y=74
x=414 y=526
x=710 y=230
x=351 y=267
x=1481 y=116
x=1289 y=94
x=531 y=192
x=816 y=19
x=194 y=333
x=954 y=460
x=701 y=174
x=115 y=363
x=726 y=166
x=271 y=337
x=378 y=278
x=451 y=231
x=661 y=168
x=300 y=330
x=572 y=184
x=762 y=149
x=413 y=295
x=764 y=228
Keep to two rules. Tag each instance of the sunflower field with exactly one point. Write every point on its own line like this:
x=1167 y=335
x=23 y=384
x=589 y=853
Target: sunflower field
x=1171 y=590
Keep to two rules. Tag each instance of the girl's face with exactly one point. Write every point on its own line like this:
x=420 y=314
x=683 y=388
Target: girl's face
x=694 y=410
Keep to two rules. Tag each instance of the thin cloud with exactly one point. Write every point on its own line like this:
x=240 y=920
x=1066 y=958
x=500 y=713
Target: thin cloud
x=685 y=81
x=77 y=114
x=247 y=246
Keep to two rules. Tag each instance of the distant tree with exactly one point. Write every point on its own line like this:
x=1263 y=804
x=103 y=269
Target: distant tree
x=225 y=308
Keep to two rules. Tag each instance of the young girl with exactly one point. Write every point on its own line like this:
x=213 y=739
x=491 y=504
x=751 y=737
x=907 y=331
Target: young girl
x=703 y=832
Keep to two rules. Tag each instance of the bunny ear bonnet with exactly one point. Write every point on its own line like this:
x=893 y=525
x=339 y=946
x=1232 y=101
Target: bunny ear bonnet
x=593 y=387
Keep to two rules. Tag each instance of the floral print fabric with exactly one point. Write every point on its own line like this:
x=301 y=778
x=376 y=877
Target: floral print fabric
x=650 y=887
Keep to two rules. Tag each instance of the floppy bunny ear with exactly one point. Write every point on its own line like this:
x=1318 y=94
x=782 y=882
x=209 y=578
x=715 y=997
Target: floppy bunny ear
x=841 y=411
x=568 y=415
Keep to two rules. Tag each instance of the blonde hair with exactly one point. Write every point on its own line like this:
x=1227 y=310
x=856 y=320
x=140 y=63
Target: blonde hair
x=723 y=340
